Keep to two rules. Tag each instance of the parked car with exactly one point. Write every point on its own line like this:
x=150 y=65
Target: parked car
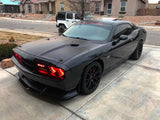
x=65 y=19
x=67 y=65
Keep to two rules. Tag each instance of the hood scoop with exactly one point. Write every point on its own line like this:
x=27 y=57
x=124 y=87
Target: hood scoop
x=74 y=44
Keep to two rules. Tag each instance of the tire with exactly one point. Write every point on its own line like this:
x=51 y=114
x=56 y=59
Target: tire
x=90 y=78
x=61 y=29
x=137 y=53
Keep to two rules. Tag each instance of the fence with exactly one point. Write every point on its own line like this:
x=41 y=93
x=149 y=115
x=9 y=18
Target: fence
x=152 y=12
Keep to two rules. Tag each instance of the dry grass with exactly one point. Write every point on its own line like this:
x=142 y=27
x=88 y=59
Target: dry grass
x=19 y=38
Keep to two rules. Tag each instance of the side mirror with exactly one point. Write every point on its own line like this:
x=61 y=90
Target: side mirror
x=123 y=37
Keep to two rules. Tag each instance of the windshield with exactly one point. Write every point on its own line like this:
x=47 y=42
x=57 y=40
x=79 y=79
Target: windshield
x=89 y=31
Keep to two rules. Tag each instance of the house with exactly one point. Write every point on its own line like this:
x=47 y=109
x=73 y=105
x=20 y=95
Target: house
x=122 y=7
x=103 y=7
x=107 y=7
x=153 y=5
x=152 y=9
x=9 y=6
x=53 y=6
x=46 y=6
x=29 y=6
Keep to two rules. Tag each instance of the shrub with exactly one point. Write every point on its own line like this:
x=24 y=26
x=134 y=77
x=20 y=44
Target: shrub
x=6 y=50
x=11 y=39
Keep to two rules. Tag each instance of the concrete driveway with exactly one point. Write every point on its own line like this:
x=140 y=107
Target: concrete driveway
x=129 y=92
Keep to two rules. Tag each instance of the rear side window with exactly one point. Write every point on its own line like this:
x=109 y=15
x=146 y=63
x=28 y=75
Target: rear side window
x=77 y=16
x=61 y=16
x=123 y=29
x=69 y=16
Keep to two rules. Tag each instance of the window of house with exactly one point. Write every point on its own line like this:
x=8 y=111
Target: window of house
x=123 y=6
x=109 y=8
x=48 y=6
x=97 y=7
x=29 y=8
x=62 y=6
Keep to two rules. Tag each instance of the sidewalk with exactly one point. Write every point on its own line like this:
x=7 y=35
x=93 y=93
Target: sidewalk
x=131 y=91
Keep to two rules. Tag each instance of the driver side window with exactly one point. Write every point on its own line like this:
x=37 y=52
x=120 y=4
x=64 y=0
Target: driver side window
x=123 y=29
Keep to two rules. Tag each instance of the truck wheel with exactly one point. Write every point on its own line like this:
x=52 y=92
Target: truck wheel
x=137 y=53
x=90 y=78
x=61 y=29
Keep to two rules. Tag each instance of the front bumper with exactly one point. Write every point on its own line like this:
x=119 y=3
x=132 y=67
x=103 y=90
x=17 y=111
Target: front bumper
x=60 y=89
x=45 y=90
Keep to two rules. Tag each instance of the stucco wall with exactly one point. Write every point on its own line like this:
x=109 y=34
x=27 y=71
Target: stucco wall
x=131 y=7
x=58 y=6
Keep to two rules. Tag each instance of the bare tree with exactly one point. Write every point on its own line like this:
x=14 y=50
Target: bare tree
x=82 y=6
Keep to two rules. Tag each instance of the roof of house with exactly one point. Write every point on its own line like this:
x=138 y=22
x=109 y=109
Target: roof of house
x=45 y=1
x=9 y=2
x=31 y=1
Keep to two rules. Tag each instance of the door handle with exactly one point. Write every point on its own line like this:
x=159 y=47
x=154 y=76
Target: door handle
x=67 y=20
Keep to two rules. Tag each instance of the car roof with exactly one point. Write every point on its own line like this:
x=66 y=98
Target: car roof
x=113 y=22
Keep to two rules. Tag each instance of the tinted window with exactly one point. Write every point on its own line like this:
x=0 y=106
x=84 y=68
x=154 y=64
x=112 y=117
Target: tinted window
x=69 y=16
x=123 y=29
x=61 y=16
x=77 y=16
x=89 y=31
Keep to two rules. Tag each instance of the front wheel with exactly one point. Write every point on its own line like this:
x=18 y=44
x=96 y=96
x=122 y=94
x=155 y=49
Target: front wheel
x=91 y=78
x=61 y=29
x=137 y=53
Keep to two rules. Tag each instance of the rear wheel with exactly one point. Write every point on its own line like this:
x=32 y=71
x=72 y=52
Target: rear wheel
x=91 y=78
x=137 y=53
x=61 y=29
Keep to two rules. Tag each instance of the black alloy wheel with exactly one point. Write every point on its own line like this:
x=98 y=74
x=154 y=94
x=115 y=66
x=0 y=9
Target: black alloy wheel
x=140 y=48
x=91 y=78
x=137 y=53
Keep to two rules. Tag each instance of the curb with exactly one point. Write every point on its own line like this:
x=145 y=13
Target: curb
x=35 y=21
x=146 y=23
x=152 y=46
x=154 y=27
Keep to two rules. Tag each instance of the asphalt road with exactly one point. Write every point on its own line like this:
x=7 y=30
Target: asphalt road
x=40 y=27
x=152 y=37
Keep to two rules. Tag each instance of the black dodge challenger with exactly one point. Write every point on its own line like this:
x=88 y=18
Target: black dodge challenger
x=73 y=63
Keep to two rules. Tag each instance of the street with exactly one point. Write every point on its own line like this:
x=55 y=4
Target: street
x=152 y=36
x=40 y=27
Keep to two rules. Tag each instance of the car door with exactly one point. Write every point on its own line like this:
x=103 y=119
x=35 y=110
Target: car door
x=69 y=19
x=121 y=49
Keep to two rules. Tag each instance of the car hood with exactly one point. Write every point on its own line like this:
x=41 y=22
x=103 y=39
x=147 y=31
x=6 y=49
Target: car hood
x=59 y=49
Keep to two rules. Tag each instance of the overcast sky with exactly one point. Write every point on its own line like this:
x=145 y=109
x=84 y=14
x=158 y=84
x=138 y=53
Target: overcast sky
x=153 y=1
